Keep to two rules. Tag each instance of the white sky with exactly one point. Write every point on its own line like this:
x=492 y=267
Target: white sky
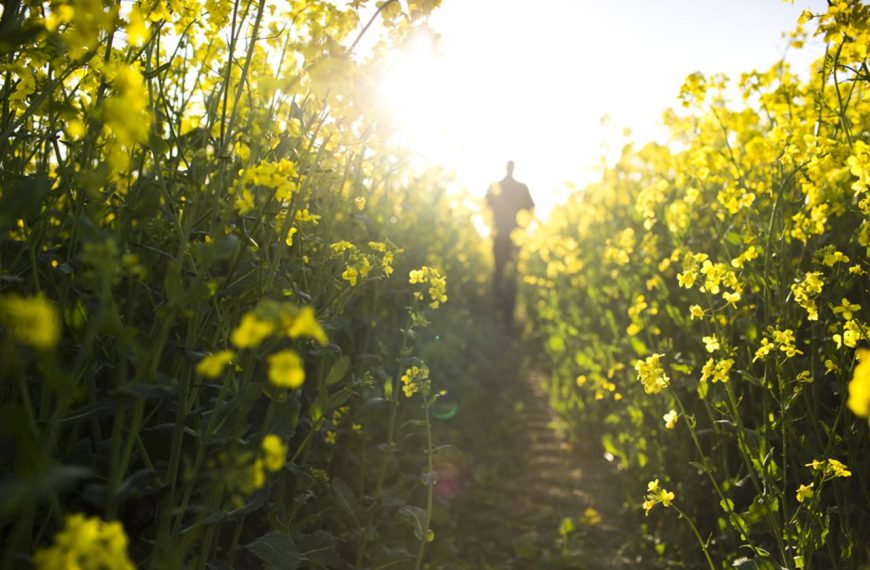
x=530 y=81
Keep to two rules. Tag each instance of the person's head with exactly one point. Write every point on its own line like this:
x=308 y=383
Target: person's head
x=510 y=168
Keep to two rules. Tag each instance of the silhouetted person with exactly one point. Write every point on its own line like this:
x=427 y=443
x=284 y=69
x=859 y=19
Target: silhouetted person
x=506 y=198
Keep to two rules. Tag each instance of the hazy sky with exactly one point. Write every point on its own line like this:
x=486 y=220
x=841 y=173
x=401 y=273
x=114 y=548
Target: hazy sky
x=530 y=81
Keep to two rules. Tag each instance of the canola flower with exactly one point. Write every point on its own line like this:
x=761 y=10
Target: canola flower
x=806 y=291
x=437 y=285
x=651 y=374
x=31 y=320
x=213 y=365
x=415 y=379
x=711 y=343
x=655 y=495
x=717 y=371
x=274 y=452
x=830 y=468
x=670 y=419
x=252 y=330
x=805 y=492
x=285 y=369
x=304 y=323
x=859 y=386
x=86 y=543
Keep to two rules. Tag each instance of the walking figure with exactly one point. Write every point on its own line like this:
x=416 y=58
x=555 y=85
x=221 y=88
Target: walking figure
x=506 y=199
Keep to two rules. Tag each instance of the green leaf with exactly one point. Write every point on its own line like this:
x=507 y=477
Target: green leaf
x=318 y=549
x=338 y=370
x=345 y=498
x=339 y=398
x=416 y=517
x=277 y=550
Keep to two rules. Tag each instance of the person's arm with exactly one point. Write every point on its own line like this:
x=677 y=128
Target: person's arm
x=530 y=204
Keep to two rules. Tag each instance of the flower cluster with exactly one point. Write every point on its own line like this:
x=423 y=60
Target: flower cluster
x=437 y=285
x=86 y=543
x=33 y=320
x=651 y=374
x=655 y=495
x=416 y=379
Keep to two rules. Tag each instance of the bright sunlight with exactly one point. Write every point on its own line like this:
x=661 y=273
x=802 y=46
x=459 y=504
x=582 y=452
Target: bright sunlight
x=469 y=96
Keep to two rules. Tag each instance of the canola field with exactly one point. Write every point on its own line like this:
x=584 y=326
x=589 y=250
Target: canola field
x=239 y=330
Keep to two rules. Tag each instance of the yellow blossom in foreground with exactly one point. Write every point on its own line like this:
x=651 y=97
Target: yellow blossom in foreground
x=274 y=452
x=305 y=324
x=285 y=369
x=859 y=386
x=34 y=320
x=670 y=419
x=696 y=312
x=651 y=373
x=251 y=331
x=805 y=492
x=86 y=544
x=213 y=365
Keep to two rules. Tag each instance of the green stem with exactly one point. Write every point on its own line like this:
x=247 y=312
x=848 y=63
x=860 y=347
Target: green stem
x=697 y=536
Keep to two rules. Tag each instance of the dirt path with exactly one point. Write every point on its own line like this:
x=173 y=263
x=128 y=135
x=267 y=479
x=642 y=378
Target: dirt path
x=522 y=478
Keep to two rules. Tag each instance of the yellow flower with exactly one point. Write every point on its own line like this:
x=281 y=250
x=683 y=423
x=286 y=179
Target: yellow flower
x=350 y=275
x=330 y=437
x=251 y=331
x=655 y=495
x=274 y=452
x=670 y=419
x=764 y=349
x=137 y=31
x=86 y=544
x=687 y=278
x=830 y=468
x=717 y=371
x=359 y=202
x=846 y=309
x=651 y=373
x=213 y=365
x=805 y=492
x=33 y=320
x=711 y=343
x=696 y=312
x=786 y=341
x=591 y=517
x=305 y=324
x=414 y=379
x=859 y=386
x=285 y=369
x=290 y=233
x=256 y=476
x=304 y=215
